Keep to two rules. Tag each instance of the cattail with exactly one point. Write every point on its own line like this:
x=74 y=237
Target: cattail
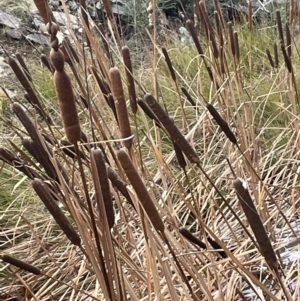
x=29 y=146
x=179 y=155
x=148 y=111
x=9 y=158
x=141 y=190
x=219 y=29
x=151 y=13
x=276 y=56
x=26 y=85
x=41 y=153
x=23 y=65
x=118 y=94
x=111 y=103
x=45 y=196
x=188 y=235
x=104 y=87
x=172 y=129
x=105 y=43
x=222 y=123
x=119 y=184
x=70 y=53
x=66 y=98
x=192 y=31
x=20 y=264
x=107 y=7
x=236 y=45
x=44 y=11
x=130 y=79
x=105 y=189
x=70 y=151
x=46 y=63
x=279 y=26
x=270 y=58
x=169 y=63
x=255 y=222
x=287 y=59
x=188 y=97
x=288 y=39
x=210 y=31
x=231 y=38
x=216 y=246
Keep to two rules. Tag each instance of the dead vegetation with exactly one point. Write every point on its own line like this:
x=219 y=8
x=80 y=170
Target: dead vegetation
x=175 y=182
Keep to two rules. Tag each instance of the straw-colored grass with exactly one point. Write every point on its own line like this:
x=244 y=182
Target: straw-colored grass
x=165 y=218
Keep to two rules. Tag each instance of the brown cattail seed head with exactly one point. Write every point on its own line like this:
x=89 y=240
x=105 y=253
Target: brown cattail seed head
x=20 y=264
x=118 y=94
x=141 y=190
x=45 y=196
x=255 y=222
x=57 y=59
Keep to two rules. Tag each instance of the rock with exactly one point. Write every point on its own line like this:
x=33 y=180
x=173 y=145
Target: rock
x=38 y=38
x=16 y=33
x=9 y=20
x=61 y=18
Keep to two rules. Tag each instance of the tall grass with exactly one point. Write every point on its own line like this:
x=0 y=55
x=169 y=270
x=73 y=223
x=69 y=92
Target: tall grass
x=201 y=204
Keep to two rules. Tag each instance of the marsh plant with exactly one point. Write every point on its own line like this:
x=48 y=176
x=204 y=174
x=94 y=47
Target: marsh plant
x=173 y=178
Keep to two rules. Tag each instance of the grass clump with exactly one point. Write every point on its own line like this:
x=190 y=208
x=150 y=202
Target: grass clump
x=167 y=217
